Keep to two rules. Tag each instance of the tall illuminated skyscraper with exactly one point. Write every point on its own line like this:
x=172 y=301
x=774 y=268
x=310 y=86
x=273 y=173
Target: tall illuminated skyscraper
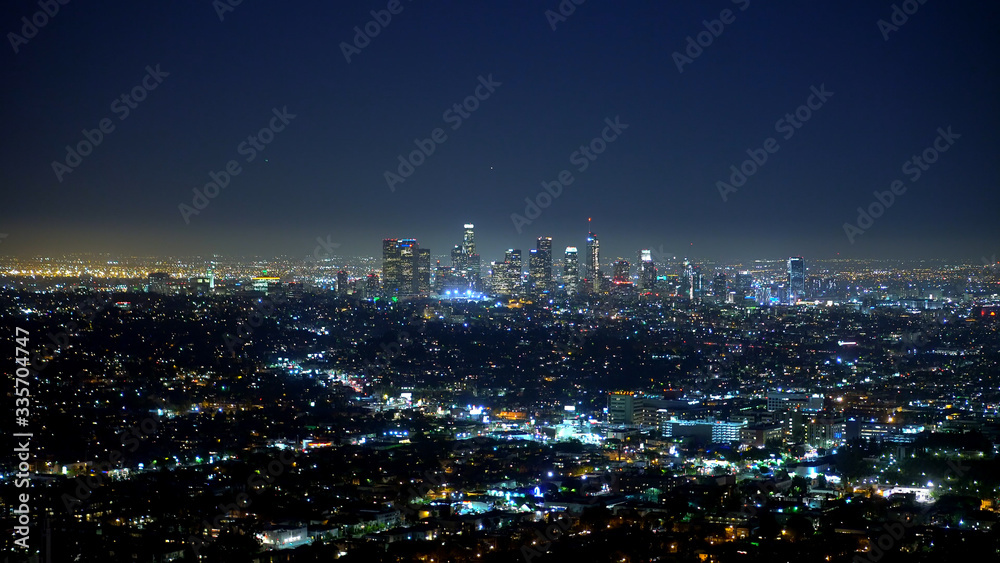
x=408 y=265
x=342 y=284
x=571 y=271
x=647 y=270
x=422 y=272
x=405 y=268
x=720 y=287
x=507 y=274
x=469 y=239
x=392 y=267
x=540 y=266
x=465 y=260
x=535 y=281
x=594 y=260
x=796 y=279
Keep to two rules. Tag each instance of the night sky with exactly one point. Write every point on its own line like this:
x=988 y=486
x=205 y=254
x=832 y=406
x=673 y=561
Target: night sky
x=653 y=186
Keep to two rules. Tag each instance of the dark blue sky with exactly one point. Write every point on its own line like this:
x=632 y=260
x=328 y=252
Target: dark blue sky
x=654 y=186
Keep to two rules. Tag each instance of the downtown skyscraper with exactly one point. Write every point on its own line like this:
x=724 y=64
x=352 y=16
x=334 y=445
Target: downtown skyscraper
x=465 y=260
x=796 y=279
x=594 y=261
x=647 y=270
x=540 y=267
x=405 y=268
x=571 y=271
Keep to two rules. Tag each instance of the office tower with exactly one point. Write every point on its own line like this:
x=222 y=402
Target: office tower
x=621 y=407
x=406 y=268
x=540 y=267
x=392 y=267
x=571 y=271
x=158 y=282
x=465 y=261
x=647 y=270
x=621 y=271
x=796 y=279
x=458 y=259
x=408 y=265
x=544 y=246
x=371 y=286
x=507 y=275
x=535 y=272
x=719 y=288
x=341 y=284
x=743 y=287
x=513 y=260
x=692 y=280
x=422 y=275
x=594 y=261
x=469 y=240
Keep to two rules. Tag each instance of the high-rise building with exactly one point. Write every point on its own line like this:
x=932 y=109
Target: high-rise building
x=571 y=271
x=692 y=280
x=743 y=287
x=719 y=287
x=544 y=246
x=540 y=267
x=465 y=261
x=341 y=284
x=408 y=248
x=594 y=261
x=621 y=271
x=422 y=272
x=796 y=279
x=458 y=261
x=406 y=268
x=647 y=270
x=469 y=240
x=535 y=276
x=371 y=286
x=392 y=268
x=507 y=274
